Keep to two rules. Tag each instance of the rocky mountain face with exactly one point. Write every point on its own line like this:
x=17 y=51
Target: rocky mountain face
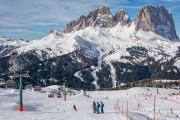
x=97 y=57
x=122 y=17
x=101 y=17
x=156 y=19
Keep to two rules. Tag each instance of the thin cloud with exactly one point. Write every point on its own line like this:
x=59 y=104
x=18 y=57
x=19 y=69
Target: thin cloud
x=23 y=24
x=131 y=7
x=177 y=16
x=24 y=31
x=170 y=0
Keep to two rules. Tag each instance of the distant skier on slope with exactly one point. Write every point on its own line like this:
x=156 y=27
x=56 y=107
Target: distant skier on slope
x=75 y=108
x=102 y=107
x=94 y=107
x=97 y=108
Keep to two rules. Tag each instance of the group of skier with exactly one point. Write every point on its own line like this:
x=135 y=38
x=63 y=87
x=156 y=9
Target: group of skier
x=97 y=107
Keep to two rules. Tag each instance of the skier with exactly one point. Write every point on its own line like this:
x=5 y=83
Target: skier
x=102 y=107
x=97 y=108
x=94 y=107
x=75 y=108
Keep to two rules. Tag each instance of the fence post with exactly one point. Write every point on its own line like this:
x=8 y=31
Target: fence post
x=127 y=110
x=171 y=111
x=119 y=110
x=138 y=106
x=159 y=112
x=122 y=106
x=154 y=107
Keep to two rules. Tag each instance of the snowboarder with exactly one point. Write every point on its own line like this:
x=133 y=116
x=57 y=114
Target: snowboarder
x=97 y=108
x=94 y=107
x=75 y=108
x=102 y=107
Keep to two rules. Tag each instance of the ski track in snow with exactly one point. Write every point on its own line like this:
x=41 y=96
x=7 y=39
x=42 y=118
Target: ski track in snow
x=97 y=68
x=93 y=73
x=113 y=75
x=76 y=74
x=94 y=69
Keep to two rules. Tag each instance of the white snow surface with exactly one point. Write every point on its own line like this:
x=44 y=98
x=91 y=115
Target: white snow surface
x=77 y=74
x=177 y=63
x=93 y=73
x=5 y=41
x=55 y=44
x=113 y=75
x=37 y=106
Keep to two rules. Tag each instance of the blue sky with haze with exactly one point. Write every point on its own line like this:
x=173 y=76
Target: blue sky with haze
x=33 y=19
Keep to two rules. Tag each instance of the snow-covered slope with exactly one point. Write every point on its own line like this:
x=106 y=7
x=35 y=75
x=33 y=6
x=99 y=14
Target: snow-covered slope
x=55 y=44
x=111 y=42
x=37 y=106
x=9 y=42
x=8 y=45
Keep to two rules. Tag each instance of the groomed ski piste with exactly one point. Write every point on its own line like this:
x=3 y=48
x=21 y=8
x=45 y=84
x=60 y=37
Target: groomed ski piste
x=37 y=106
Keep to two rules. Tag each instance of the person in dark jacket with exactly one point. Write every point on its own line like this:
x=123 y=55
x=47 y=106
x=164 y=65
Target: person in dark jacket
x=97 y=108
x=102 y=107
x=75 y=108
x=94 y=107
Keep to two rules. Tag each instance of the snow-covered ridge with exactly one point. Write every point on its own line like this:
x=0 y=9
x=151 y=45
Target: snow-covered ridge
x=112 y=41
x=9 y=42
x=55 y=44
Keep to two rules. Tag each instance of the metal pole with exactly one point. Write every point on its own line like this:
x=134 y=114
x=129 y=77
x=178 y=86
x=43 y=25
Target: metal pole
x=20 y=98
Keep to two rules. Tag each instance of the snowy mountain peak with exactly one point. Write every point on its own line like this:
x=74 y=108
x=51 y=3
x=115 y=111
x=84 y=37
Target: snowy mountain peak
x=156 y=19
x=101 y=17
x=104 y=10
x=55 y=32
x=104 y=5
x=122 y=17
x=10 y=42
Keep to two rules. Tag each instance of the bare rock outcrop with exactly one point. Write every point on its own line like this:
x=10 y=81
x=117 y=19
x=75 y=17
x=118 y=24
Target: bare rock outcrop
x=122 y=17
x=156 y=19
x=101 y=17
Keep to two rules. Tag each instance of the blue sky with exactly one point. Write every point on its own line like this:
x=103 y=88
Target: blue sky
x=33 y=19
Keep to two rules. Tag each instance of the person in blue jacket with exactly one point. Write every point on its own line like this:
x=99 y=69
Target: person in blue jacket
x=97 y=108
x=102 y=107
